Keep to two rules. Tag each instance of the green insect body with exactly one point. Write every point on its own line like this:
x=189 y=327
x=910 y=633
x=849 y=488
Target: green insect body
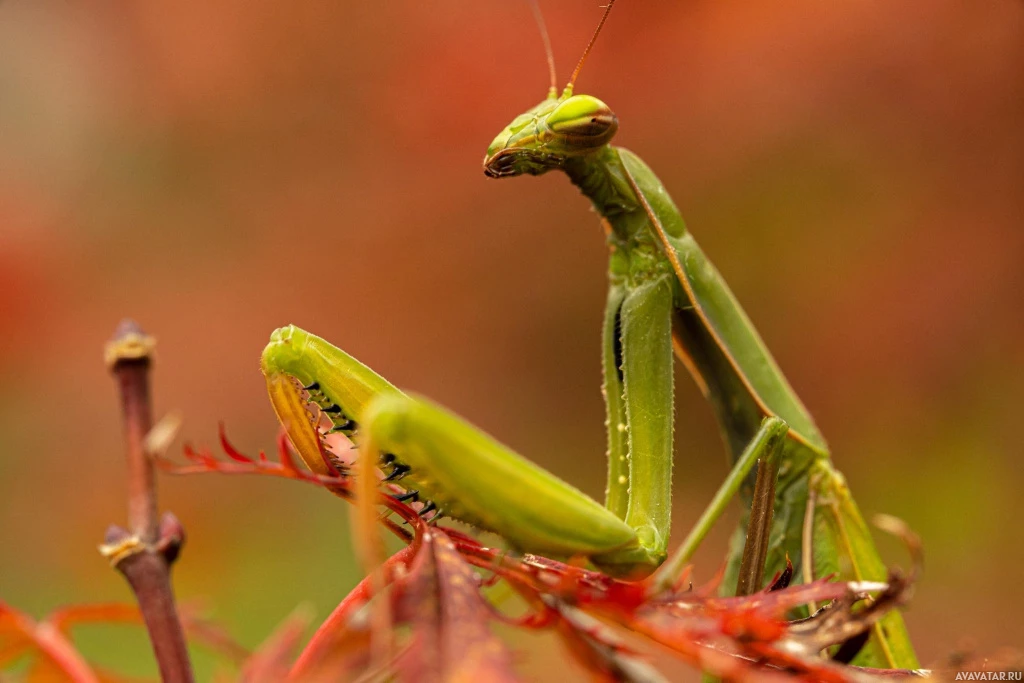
x=665 y=299
x=665 y=296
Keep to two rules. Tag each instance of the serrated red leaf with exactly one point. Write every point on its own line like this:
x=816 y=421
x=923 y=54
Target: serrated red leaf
x=440 y=598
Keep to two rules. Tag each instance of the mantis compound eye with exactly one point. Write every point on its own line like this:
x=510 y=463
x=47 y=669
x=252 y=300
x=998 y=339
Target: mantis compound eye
x=584 y=120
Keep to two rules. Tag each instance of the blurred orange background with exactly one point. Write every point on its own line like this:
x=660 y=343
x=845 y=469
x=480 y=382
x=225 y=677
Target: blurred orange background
x=216 y=170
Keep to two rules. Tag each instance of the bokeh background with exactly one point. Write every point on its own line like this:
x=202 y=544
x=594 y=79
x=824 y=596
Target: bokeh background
x=216 y=170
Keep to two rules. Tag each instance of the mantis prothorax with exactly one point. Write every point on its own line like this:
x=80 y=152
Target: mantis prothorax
x=665 y=297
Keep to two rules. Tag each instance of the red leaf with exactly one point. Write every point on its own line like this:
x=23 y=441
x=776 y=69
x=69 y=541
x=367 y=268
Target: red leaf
x=451 y=640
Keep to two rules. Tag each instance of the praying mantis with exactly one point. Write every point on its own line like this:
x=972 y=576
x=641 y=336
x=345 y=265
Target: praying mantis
x=665 y=299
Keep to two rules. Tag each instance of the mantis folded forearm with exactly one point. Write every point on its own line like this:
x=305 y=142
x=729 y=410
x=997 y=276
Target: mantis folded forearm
x=665 y=298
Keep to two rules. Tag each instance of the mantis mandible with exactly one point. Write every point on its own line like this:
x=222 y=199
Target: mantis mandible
x=665 y=299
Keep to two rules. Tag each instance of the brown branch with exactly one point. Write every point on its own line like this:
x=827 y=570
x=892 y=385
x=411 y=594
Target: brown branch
x=145 y=553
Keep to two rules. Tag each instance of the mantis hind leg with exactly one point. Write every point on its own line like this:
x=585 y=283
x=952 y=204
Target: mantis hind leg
x=838 y=541
x=764 y=448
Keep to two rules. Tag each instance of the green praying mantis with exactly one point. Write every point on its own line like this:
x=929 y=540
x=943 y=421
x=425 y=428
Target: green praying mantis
x=665 y=299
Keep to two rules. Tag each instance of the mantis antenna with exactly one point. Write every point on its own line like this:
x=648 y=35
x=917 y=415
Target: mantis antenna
x=535 y=6
x=593 y=39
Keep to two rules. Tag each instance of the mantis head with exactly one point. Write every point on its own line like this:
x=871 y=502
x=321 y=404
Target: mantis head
x=544 y=137
x=558 y=129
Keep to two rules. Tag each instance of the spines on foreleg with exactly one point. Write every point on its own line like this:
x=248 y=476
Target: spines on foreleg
x=309 y=379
